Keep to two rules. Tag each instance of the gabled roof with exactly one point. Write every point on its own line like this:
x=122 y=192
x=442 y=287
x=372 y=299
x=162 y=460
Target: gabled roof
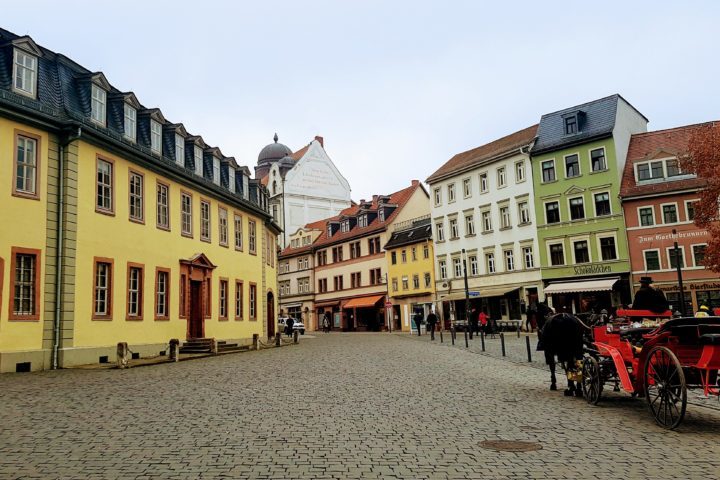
x=291 y=251
x=485 y=153
x=26 y=43
x=672 y=142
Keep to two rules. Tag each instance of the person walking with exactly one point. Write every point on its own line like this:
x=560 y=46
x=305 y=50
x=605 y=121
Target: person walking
x=326 y=323
x=418 y=321
x=483 y=320
x=530 y=320
x=431 y=321
x=289 y=326
x=473 y=323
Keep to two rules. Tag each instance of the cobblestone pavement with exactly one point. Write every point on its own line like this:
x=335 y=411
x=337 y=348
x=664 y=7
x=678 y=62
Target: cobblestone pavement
x=335 y=406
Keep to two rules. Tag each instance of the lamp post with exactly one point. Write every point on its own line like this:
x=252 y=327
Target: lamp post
x=679 y=272
x=467 y=293
x=388 y=311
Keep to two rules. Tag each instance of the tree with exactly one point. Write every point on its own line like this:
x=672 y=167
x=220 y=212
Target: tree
x=703 y=159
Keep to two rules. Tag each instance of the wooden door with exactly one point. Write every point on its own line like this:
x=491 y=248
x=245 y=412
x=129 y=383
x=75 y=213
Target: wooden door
x=196 y=310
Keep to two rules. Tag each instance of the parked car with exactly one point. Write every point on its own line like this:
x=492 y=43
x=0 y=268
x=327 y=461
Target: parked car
x=297 y=325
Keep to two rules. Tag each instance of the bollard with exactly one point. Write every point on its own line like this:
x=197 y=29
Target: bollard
x=277 y=339
x=452 y=335
x=441 y=336
x=123 y=355
x=174 y=350
x=295 y=336
x=256 y=342
x=466 y=338
x=502 y=342
x=432 y=333
x=527 y=344
x=482 y=340
x=518 y=332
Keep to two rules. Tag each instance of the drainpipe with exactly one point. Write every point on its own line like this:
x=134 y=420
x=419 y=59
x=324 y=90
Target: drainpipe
x=60 y=231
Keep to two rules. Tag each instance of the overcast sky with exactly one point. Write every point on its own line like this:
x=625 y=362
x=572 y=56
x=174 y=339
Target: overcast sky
x=396 y=88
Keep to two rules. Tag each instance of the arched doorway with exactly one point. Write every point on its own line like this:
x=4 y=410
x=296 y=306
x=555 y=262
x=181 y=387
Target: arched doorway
x=270 y=315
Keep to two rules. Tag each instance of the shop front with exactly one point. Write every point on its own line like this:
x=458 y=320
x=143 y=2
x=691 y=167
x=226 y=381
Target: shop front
x=588 y=294
x=503 y=302
x=696 y=293
x=365 y=314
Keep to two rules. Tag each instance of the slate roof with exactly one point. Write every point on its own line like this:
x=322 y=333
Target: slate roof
x=421 y=231
x=488 y=152
x=672 y=142
x=598 y=122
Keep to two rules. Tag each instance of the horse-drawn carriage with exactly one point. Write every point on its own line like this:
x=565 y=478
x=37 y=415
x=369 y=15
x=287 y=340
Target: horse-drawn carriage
x=656 y=356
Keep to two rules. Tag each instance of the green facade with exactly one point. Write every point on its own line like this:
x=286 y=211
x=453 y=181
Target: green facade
x=592 y=228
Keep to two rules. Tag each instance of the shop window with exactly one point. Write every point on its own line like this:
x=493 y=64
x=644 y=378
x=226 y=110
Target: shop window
x=673 y=299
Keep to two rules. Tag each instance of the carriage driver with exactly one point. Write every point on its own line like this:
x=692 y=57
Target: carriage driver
x=649 y=298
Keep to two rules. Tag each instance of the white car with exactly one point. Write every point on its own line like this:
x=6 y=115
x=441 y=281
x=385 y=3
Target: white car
x=297 y=325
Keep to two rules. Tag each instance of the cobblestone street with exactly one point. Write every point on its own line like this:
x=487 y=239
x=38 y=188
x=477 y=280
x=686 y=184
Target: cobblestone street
x=336 y=406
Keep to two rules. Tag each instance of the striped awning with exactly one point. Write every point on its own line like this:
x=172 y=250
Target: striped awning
x=595 y=285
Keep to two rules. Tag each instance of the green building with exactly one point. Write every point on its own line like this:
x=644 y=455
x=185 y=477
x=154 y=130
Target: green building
x=577 y=164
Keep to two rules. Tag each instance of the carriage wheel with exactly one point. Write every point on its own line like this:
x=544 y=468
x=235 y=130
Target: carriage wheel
x=591 y=380
x=665 y=388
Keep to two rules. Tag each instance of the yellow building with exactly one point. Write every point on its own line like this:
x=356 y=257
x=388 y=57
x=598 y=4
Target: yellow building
x=409 y=254
x=120 y=226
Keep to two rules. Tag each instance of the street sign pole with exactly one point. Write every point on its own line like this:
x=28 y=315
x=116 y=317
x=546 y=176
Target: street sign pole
x=467 y=294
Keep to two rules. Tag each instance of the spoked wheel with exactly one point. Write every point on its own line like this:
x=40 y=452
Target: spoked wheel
x=591 y=380
x=665 y=388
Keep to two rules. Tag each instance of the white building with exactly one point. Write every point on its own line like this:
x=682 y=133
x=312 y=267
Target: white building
x=304 y=186
x=482 y=205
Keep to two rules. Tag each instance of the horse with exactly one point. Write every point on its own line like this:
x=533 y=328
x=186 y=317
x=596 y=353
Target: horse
x=563 y=337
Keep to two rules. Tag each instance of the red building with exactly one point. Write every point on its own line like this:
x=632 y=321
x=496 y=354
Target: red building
x=658 y=199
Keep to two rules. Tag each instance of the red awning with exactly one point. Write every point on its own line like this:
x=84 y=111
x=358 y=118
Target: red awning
x=363 y=302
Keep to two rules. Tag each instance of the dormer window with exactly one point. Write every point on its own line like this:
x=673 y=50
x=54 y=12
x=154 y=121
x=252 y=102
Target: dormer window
x=25 y=73
x=363 y=221
x=329 y=230
x=381 y=214
x=179 y=149
x=231 y=179
x=216 y=171
x=198 y=161
x=130 y=122
x=98 y=105
x=345 y=226
x=571 y=125
x=156 y=137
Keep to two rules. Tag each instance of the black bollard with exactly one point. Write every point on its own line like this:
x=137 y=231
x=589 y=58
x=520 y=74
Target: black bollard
x=527 y=344
x=277 y=339
x=452 y=335
x=518 y=331
x=482 y=340
x=466 y=338
x=502 y=342
x=295 y=336
x=441 y=336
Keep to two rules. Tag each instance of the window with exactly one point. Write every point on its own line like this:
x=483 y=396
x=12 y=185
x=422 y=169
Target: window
x=374 y=245
x=597 y=160
x=670 y=213
x=375 y=276
x=690 y=210
x=519 y=172
x=137 y=210
x=607 y=248
x=649 y=171
x=355 y=250
x=571 y=125
x=451 y=192
x=469 y=225
x=647 y=216
x=26 y=166
x=198 y=160
x=393 y=258
x=322 y=258
x=253 y=301
x=602 y=204
x=238 y=300
x=457 y=267
x=505 y=217
x=428 y=280
x=557 y=254
x=204 y=220
x=163 y=207
x=304 y=284
x=698 y=255
x=24 y=73
x=490 y=262
x=403 y=255
x=337 y=254
x=345 y=226
x=97 y=105
x=467 y=188
x=102 y=306
x=238 y=231
x=528 y=257
x=362 y=221
x=405 y=283
x=548 y=171
x=486 y=221
x=104 y=190
x=162 y=293
x=223 y=226
x=454 y=232
x=381 y=214
x=322 y=285
x=523 y=213
x=438 y=196
x=25 y=284
x=223 y=300
x=501 y=177
x=582 y=254
x=439 y=234
x=674 y=259
x=251 y=237
x=413 y=250
x=509 y=260
x=416 y=282
x=442 y=268
x=134 y=292
x=474 y=265
x=395 y=284
x=186 y=214
x=156 y=137
x=426 y=252
x=216 y=170
x=577 y=208
x=652 y=260
x=572 y=166
x=483 y=183
x=672 y=167
x=130 y=122
x=355 y=280
x=181 y=296
x=179 y=149
x=552 y=212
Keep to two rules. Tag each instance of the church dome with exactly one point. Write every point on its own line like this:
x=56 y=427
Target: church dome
x=273 y=152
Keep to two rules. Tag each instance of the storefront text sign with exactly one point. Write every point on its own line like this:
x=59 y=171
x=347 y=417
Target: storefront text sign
x=669 y=236
x=592 y=269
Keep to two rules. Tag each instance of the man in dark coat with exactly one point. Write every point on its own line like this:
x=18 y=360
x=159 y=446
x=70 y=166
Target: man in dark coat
x=649 y=298
x=431 y=321
x=289 y=326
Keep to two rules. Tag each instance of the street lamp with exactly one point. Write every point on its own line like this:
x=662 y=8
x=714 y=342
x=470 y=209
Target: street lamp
x=467 y=293
x=679 y=272
x=388 y=311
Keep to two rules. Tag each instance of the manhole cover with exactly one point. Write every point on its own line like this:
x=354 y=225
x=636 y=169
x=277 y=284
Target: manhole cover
x=510 y=445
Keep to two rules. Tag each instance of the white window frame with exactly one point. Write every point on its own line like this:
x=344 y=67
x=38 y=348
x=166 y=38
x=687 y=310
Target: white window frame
x=216 y=170
x=682 y=255
x=528 y=254
x=179 y=149
x=585 y=239
x=505 y=217
x=490 y=265
x=598 y=238
x=437 y=192
x=156 y=136
x=442 y=269
x=451 y=192
x=129 y=122
x=607 y=192
x=198 y=159
x=692 y=253
x=590 y=150
x=579 y=163
x=474 y=267
x=520 y=176
x=687 y=210
x=639 y=216
x=509 y=260
x=439 y=231
x=21 y=71
x=545 y=212
x=677 y=213
x=584 y=217
x=469 y=224
x=501 y=177
x=542 y=170
x=524 y=213
x=467 y=187
x=457 y=267
x=98 y=105
x=454 y=228
x=483 y=179
x=549 y=244
x=660 y=265
x=649 y=164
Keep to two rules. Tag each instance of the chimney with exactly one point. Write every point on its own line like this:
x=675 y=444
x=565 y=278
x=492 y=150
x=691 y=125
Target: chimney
x=375 y=197
x=320 y=140
x=415 y=183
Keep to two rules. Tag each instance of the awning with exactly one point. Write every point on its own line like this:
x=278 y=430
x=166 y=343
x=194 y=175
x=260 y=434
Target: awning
x=497 y=291
x=290 y=305
x=363 y=302
x=484 y=292
x=596 y=285
x=327 y=304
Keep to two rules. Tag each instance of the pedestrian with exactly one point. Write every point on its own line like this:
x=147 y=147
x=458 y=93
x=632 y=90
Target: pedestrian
x=326 y=323
x=289 y=326
x=431 y=321
x=483 y=320
x=418 y=321
x=473 y=323
x=530 y=319
x=703 y=311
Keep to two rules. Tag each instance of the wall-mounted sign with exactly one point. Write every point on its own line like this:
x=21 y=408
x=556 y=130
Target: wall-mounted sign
x=659 y=237
x=592 y=269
